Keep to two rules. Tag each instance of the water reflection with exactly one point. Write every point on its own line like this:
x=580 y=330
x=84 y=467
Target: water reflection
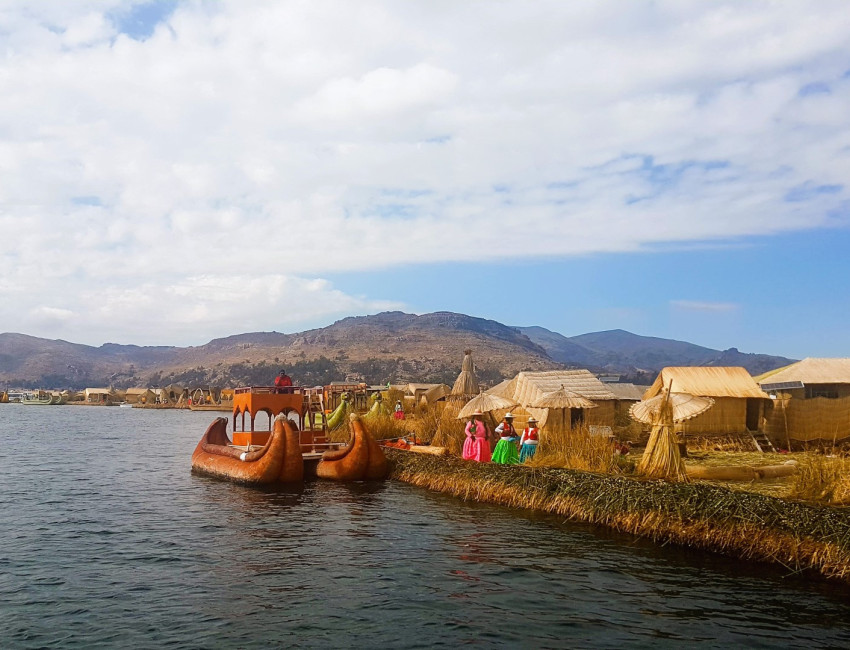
x=134 y=550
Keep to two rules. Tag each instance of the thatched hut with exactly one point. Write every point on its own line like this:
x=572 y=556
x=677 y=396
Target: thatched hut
x=811 y=400
x=738 y=400
x=415 y=393
x=139 y=396
x=527 y=388
x=99 y=396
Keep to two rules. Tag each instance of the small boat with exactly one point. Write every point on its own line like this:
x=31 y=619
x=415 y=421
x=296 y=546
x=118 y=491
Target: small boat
x=279 y=460
x=283 y=453
x=361 y=459
x=41 y=398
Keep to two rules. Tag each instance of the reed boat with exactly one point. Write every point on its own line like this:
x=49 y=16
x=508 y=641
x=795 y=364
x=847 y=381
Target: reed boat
x=361 y=459
x=295 y=445
x=279 y=460
x=42 y=398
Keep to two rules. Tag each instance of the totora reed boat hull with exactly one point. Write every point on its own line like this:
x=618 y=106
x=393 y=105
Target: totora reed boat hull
x=278 y=461
x=362 y=459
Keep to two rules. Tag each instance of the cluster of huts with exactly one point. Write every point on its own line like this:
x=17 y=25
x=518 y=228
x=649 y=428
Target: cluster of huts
x=171 y=396
x=805 y=402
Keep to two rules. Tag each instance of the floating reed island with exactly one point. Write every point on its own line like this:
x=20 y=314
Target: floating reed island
x=797 y=535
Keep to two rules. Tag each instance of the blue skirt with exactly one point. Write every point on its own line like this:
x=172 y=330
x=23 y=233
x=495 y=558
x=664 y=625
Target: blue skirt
x=527 y=451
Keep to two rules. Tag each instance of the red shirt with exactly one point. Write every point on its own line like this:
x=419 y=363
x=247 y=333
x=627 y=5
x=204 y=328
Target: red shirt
x=283 y=380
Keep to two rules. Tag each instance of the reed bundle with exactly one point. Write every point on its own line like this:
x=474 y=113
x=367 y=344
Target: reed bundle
x=661 y=458
x=796 y=535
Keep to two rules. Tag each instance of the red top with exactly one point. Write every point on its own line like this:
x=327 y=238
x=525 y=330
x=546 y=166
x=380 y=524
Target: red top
x=530 y=433
x=283 y=380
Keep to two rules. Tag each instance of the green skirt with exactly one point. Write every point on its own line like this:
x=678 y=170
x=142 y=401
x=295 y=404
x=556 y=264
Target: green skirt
x=505 y=453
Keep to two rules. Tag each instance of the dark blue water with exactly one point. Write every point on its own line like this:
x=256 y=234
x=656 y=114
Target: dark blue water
x=107 y=540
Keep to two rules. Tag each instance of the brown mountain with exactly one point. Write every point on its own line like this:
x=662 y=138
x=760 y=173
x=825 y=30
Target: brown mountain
x=391 y=346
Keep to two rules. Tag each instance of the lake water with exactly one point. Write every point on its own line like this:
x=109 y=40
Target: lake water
x=108 y=540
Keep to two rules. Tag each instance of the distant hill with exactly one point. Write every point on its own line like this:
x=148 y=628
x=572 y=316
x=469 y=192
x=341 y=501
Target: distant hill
x=391 y=346
x=622 y=352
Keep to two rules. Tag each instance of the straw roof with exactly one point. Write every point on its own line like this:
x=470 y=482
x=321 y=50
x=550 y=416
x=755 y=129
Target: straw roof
x=684 y=406
x=466 y=382
x=436 y=392
x=484 y=403
x=562 y=399
x=626 y=391
x=528 y=387
x=810 y=371
x=708 y=381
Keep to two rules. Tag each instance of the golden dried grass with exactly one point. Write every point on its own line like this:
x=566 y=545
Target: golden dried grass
x=822 y=478
x=574 y=449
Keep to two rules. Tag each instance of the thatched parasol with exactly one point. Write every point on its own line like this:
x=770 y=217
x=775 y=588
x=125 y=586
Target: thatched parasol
x=484 y=403
x=560 y=400
x=683 y=407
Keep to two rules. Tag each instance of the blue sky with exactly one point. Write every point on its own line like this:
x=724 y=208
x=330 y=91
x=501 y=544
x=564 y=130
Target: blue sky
x=778 y=295
x=178 y=171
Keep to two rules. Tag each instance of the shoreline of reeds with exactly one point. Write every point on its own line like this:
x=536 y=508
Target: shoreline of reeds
x=796 y=535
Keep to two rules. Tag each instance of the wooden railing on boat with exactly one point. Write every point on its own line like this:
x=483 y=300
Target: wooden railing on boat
x=305 y=403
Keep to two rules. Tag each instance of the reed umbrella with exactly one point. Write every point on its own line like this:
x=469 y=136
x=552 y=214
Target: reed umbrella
x=485 y=403
x=683 y=407
x=561 y=400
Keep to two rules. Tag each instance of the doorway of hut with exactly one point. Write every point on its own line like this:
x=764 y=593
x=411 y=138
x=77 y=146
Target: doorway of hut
x=576 y=418
x=753 y=411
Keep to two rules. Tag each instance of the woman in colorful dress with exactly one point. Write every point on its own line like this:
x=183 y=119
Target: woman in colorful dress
x=506 y=452
x=398 y=414
x=482 y=439
x=469 y=444
x=528 y=440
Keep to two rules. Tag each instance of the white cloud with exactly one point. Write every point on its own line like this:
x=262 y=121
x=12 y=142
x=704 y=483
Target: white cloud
x=290 y=140
x=702 y=306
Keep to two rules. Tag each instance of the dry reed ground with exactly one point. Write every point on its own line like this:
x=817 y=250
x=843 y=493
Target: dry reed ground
x=796 y=535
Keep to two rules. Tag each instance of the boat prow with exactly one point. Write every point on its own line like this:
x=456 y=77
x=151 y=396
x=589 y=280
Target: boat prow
x=279 y=460
x=361 y=459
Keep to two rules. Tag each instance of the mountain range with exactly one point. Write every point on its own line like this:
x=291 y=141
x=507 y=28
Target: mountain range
x=390 y=346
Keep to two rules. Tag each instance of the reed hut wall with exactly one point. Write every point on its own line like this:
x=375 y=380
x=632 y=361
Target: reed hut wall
x=727 y=416
x=603 y=414
x=806 y=420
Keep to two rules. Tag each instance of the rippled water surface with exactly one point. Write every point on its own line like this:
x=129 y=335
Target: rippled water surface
x=108 y=540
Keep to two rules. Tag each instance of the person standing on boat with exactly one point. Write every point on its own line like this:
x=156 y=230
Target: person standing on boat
x=283 y=383
x=528 y=440
x=506 y=452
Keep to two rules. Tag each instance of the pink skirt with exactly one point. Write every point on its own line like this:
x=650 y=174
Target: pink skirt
x=482 y=450
x=469 y=448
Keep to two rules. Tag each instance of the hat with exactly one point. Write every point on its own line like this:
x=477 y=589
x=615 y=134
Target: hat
x=532 y=420
x=477 y=412
x=509 y=415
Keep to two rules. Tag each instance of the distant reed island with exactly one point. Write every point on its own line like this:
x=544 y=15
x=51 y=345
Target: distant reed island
x=751 y=526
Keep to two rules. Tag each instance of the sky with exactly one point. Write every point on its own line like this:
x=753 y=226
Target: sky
x=173 y=172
